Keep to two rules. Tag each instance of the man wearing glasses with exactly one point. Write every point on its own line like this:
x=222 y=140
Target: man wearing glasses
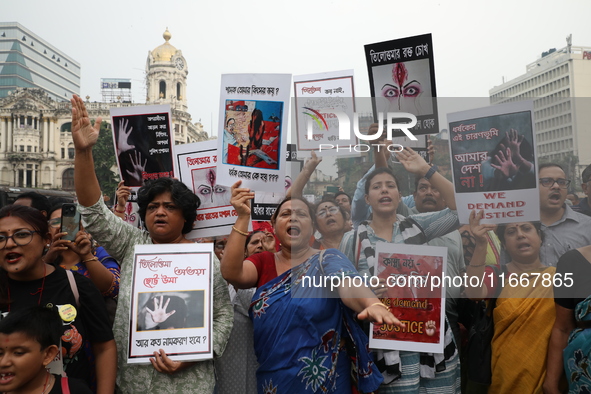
x=563 y=228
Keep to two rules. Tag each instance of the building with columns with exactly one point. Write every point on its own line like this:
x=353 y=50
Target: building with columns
x=36 y=147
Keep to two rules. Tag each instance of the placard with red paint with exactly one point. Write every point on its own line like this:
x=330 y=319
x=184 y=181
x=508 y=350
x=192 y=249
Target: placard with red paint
x=254 y=112
x=409 y=271
x=197 y=164
x=171 y=302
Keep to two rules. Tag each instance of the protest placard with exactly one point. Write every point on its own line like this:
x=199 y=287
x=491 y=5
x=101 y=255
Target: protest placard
x=493 y=158
x=143 y=143
x=408 y=271
x=253 y=125
x=171 y=302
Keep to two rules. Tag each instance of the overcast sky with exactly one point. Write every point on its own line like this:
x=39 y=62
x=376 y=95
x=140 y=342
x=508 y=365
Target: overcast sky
x=475 y=42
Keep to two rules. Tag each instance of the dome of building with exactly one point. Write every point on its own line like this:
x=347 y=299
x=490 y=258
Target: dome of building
x=164 y=52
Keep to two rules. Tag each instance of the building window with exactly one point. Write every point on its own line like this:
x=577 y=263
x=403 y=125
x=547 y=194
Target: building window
x=66 y=127
x=70 y=153
x=178 y=91
x=63 y=153
x=21 y=148
x=29 y=148
x=162 y=90
x=68 y=179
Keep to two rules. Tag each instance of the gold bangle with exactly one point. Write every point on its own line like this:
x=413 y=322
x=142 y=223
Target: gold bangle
x=380 y=304
x=239 y=232
x=87 y=260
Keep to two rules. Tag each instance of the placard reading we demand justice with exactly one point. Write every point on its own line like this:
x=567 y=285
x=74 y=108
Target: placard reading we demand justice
x=493 y=157
x=171 y=302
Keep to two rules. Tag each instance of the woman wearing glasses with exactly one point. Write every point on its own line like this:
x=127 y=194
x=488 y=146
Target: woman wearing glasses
x=26 y=280
x=331 y=224
x=82 y=256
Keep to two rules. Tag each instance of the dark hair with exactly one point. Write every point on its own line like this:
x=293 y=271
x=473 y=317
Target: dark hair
x=38 y=201
x=378 y=171
x=547 y=165
x=501 y=228
x=286 y=199
x=341 y=210
x=42 y=324
x=32 y=216
x=56 y=203
x=229 y=119
x=249 y=237
x=586 y=175
x=339 y=193
x=182 y=197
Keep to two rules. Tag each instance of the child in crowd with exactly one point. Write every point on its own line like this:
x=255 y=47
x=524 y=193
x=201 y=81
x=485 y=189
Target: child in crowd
x=29 y=340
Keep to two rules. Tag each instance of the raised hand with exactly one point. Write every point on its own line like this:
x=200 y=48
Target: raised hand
x=84 y=134
x=412 y=161
x=479 y=230
x=241 y=199
x=505 y=163
x=122 y=144
x=136 y=168
x=159 y=313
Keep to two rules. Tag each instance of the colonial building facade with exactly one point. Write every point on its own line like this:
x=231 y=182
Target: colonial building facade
x=36 y=148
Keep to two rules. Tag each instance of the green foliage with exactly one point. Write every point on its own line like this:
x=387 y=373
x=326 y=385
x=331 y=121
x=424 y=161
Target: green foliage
x=104 y=160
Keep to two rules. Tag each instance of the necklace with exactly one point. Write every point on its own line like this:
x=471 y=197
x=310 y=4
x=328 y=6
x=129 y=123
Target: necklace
x=39 y=290
x=47 y=383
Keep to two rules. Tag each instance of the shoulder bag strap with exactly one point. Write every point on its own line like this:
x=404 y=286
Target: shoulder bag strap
x=74 y=287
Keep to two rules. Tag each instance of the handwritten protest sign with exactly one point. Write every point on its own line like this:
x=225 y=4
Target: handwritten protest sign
x=171 y=303
x=408 y=271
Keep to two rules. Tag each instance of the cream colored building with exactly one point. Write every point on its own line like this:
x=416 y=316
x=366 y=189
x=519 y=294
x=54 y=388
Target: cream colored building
x=560 y=85
x=36 y=148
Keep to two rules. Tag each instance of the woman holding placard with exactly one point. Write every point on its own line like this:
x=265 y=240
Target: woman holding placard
x=432 y=373
x=167 y=207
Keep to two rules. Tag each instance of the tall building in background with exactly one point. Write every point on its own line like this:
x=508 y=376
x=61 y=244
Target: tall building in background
x=28 y=61
x=36 y=147
x=559 y=83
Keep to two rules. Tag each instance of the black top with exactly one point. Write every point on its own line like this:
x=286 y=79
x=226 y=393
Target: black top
x=91 y=323
x=579 y=269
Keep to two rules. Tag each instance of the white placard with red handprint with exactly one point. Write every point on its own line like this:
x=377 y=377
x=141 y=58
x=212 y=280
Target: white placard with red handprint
x=171 y=303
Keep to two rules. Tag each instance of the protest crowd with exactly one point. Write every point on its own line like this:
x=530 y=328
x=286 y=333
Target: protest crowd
x=66 y=294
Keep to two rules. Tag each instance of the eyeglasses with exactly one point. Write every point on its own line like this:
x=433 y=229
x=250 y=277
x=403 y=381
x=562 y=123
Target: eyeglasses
x=322 y=213
x=21 y=238
x=55 y=223
x=549 y=182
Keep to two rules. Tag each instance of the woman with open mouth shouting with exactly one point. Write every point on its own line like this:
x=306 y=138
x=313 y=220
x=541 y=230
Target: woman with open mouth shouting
x=26 y=280
x=428 y=373
x=167 y=208
x=303 y=309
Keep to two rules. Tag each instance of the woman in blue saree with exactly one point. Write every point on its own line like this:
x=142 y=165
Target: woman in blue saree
x=302 y=313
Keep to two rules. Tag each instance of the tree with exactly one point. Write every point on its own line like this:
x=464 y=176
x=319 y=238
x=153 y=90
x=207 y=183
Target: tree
x=104 y=160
